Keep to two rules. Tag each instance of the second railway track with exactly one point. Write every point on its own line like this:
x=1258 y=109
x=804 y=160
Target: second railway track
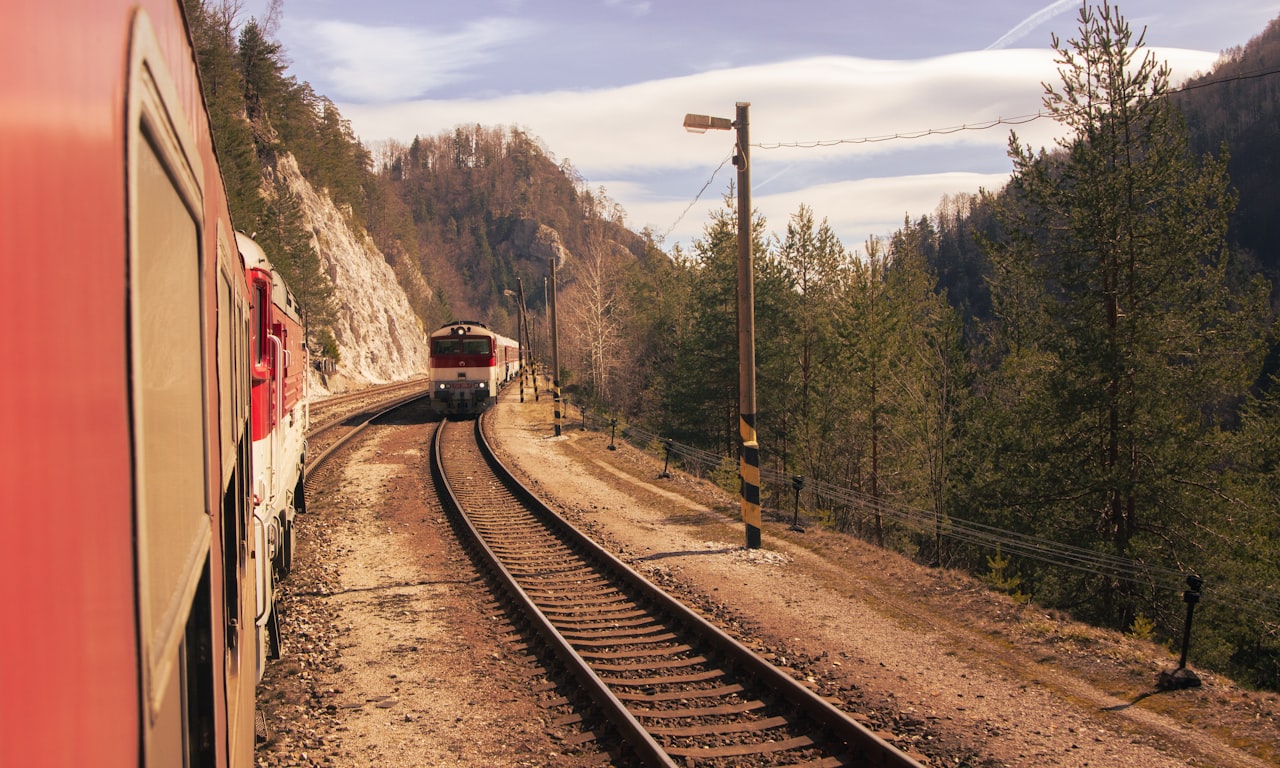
x=679 y=690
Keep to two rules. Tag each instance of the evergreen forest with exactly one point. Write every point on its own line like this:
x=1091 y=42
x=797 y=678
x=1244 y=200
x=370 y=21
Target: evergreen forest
x=1066 y=386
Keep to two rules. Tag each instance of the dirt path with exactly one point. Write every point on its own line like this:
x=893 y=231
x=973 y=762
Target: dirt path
x=395 y=654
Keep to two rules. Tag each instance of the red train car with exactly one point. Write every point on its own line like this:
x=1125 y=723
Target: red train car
x=127 y=547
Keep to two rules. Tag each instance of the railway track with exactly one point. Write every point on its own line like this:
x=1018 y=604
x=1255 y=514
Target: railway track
x=676 y=688
x=338 y=407
x=356 y=412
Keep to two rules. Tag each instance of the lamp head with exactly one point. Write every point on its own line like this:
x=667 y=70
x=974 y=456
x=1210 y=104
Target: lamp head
x=704 y=123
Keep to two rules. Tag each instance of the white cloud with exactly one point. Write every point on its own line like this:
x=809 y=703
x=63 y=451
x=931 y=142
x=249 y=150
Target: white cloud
x=828 y=98
x=384 y=64
x=632 y=135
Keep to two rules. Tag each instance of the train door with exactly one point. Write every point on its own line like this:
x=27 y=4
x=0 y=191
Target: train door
x=238 y=591
x=266 y=397
x=172 y=529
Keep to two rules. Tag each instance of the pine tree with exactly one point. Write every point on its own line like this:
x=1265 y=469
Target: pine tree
x=261 y=71
x=1113 y=285
x=870 y=329
x=702 y=398
x=804 y=375
x=931 y=383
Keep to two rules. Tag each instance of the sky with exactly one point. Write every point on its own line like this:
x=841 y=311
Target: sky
x=865 y=112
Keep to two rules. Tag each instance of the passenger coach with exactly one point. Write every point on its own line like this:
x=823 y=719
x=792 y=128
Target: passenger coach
x=142 y=377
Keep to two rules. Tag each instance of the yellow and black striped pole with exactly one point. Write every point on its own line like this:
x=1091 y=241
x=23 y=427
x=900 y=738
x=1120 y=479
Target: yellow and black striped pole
x=749 y=463
x=749 y=470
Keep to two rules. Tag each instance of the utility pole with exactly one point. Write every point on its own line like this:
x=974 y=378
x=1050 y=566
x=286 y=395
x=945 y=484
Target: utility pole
x=522 y=329
x=555 y=347
x=749 y=459
x=749 y=454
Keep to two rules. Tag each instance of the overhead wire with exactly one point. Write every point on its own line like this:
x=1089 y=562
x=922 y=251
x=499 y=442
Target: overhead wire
x=926 y=132
x=696 y=197
x=992 y=123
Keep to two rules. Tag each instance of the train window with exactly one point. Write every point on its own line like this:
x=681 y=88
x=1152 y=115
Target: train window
x=168 y=401
x=167 y=389
x=447 y=346
x=475 y=346
x=260 y=287
x=255 y=323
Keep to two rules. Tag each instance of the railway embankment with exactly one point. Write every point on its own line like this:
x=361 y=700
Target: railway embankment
x=396 y=655
x=934 y=651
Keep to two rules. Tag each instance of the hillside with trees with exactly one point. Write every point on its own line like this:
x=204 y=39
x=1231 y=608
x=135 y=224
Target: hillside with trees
x=1064 y=386
x=458 y=217
x=1073 y=368
x=253 y=108
x=1235 y=109
x=479 y=207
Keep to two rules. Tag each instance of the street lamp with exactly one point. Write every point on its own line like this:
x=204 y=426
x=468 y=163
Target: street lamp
x=749 y=456
x=704 y=123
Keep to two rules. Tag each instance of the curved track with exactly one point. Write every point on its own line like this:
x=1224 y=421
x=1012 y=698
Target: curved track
x=325 y=440
x=680 y=691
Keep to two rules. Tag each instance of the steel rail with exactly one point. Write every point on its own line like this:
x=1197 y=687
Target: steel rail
x=382 y=409
x=646 y=747
x=372 y=394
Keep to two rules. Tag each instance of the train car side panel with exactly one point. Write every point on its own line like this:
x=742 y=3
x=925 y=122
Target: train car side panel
x=234 y=568
x=78 y=578
x=116 y=468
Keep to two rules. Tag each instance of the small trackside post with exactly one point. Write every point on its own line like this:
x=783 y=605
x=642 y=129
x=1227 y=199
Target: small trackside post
x=797 y=483
x=1183 y=677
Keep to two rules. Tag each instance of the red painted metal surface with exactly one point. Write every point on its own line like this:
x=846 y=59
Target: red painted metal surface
x=70 y=671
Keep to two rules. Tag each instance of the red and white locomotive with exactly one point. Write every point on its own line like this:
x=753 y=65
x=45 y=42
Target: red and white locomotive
x=278 y=367
x=148 y=379
x=469 y=364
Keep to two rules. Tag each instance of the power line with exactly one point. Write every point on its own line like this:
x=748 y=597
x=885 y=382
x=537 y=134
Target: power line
x=697 y=197
x=988 y=124
x=993 y=123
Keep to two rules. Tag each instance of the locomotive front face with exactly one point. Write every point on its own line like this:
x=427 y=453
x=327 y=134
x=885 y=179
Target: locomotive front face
x=462 y=366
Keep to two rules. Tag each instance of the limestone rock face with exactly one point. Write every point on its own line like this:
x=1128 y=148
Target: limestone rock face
x=541 y=242
x=379 y=336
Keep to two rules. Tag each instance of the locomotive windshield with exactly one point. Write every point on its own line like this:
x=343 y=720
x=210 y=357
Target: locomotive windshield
x=464 y=346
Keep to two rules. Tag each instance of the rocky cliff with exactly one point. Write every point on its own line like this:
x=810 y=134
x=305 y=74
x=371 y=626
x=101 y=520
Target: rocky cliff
x=380 y=337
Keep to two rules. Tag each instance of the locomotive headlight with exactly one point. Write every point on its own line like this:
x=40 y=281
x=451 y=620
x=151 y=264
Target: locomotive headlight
x=483 y=384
